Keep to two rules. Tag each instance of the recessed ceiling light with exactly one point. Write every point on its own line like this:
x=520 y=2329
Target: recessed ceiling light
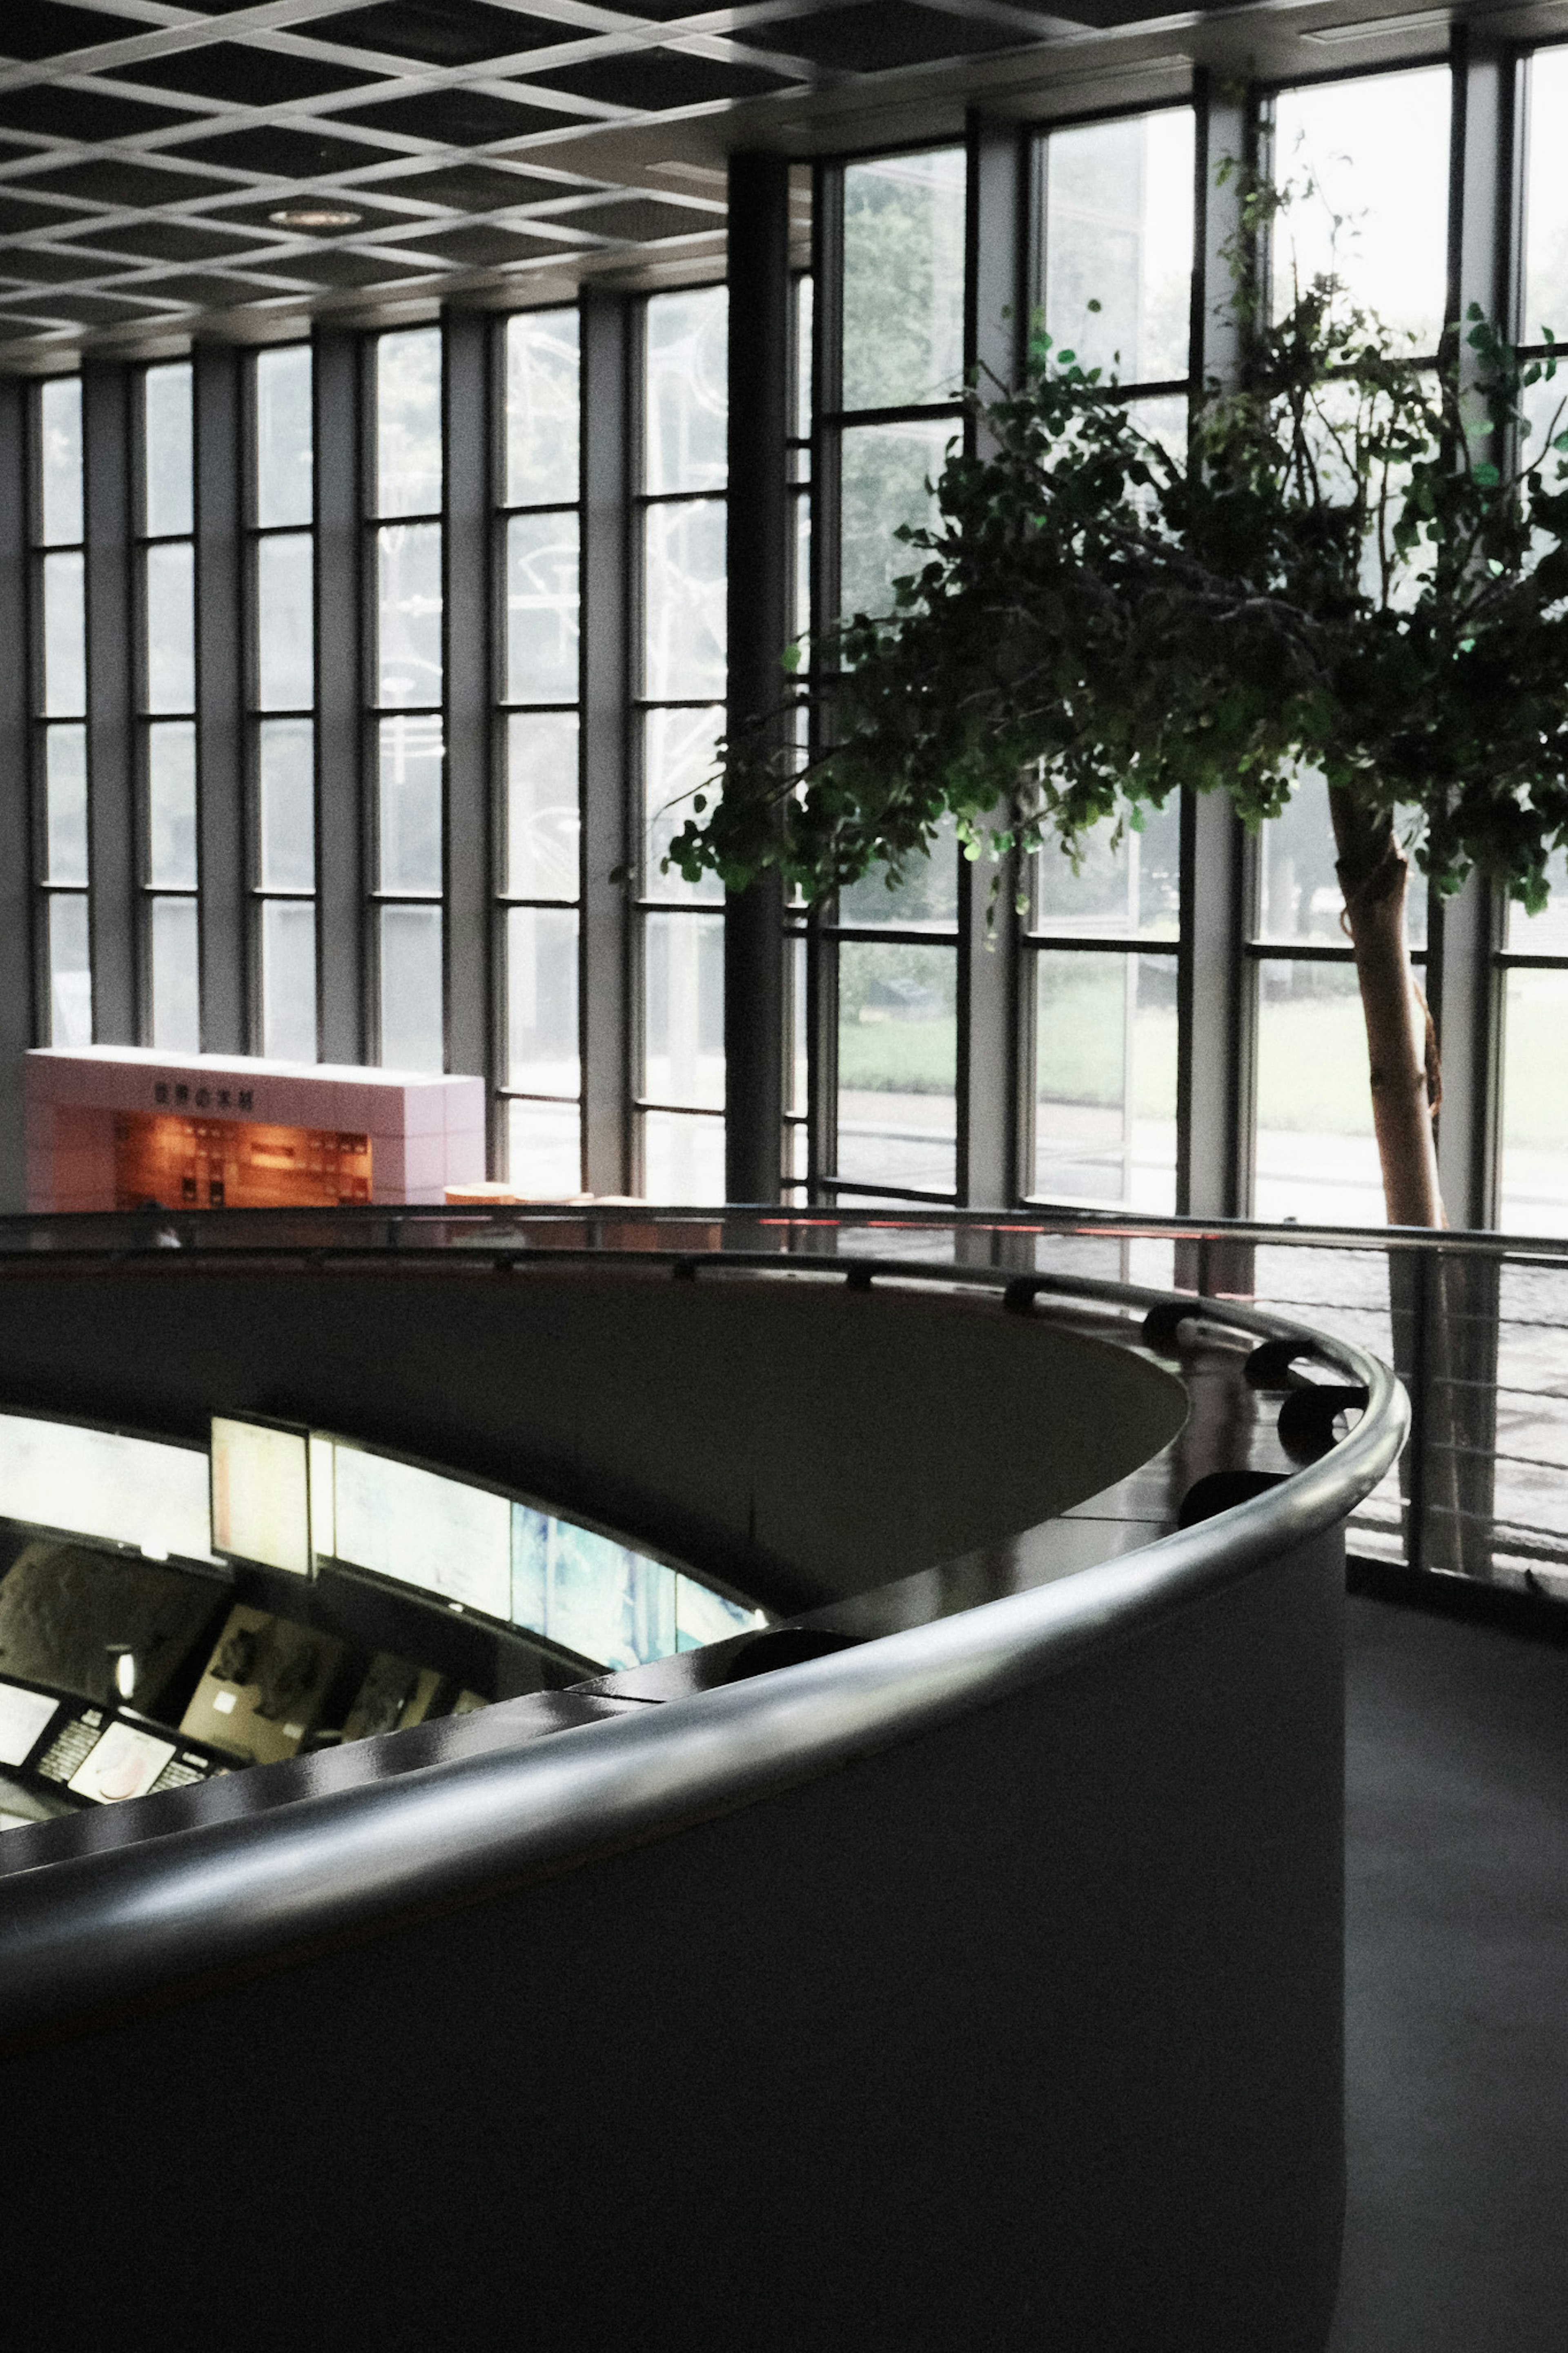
x=314 y=216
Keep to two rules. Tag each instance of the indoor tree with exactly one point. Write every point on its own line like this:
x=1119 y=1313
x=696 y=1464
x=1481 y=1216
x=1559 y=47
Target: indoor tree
x=1354 y=567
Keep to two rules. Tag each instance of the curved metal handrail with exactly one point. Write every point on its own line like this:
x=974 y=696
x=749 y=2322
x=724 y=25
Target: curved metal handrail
x=85 y=1936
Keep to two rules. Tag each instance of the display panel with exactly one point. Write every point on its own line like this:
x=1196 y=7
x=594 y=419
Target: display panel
x=422 y=1529
x=22 y=1717
x=261 y=1494
x=263 y=1688
x=123 y=1763
x=55 y=1474
x=608 y=1602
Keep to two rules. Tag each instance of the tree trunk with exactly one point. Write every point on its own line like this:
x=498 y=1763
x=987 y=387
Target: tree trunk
x=1374 y=874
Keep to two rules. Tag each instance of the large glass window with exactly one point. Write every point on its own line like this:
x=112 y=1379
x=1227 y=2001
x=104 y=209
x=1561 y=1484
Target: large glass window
x=167 y=562
x=406 y=697
x=1115 y=268
x=539 y=867
x=890 y=956
x=1366 y=161
x=60 y=703
x=283 y=697
x=679 y=949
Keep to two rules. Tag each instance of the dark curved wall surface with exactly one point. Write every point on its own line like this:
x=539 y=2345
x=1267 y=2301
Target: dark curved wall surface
x=1024 y=2033
x=804 y=1442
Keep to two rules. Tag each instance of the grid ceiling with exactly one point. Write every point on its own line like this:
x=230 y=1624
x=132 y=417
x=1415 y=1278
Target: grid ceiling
x=147 y=149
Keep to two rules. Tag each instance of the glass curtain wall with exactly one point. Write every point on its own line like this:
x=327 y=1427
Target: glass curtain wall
x=678 y=955
x=282 y=678
x=167 y=584
x=59 y=701
x=1373 y=213
x=889 y=413
x=1115 y=203
x=539 y=528
x=406 y=680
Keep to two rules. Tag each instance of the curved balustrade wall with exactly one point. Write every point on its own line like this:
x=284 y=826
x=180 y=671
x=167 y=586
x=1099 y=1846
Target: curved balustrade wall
x=975 y=1984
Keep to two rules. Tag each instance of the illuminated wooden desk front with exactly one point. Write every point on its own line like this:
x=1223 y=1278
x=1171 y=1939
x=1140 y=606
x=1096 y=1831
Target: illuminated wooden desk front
x=122 y=1127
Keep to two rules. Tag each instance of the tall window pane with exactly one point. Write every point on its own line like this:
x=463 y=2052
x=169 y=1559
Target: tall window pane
x=1370 y=208
x=172 y=806
x=542 y=379
x=1105 y=1079
x=684 y=600
x=64 y=637
x=542 y=600
x=1119 y=233
x=60 y=435
x=541 y=1000
x=1317 y=1160
x=409 y=637
x=71 y=972
x=684 y=1009
x=169 y=470
x=411 y=991
x=65 y=773
x=172 y=627
x=897 y=1064
x=409 y=832
x=283 y=437
x=176 y=994
x=287 y=805
x=903 y=279
x=687 y=400
x=542 y=824
x=285 y=622
x=888 y=473
x=288 y=979
x=408 y=422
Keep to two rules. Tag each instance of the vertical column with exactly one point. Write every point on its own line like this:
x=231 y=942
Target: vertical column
x=220 y=699
x=340 y=826
x=760 y=555
x=604 y=996
x=111 y=820
x=466 y=428
x=996 y=305
x=15 y=831
x=1214 y=1042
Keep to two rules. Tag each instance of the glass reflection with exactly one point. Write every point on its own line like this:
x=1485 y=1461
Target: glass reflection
x=684 y=601
x=1377 y=214
x=544 y=829
x=1118 y=232
x=542 y=597
x=167 y=450
x=284 y=437
x=285 y=616
x=926 y=899
x=541 y=1000
x=408 y=422
x=543 y=374
x=686 y=390
x=903 y=279
x=1299 y=893
x=172 y=806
